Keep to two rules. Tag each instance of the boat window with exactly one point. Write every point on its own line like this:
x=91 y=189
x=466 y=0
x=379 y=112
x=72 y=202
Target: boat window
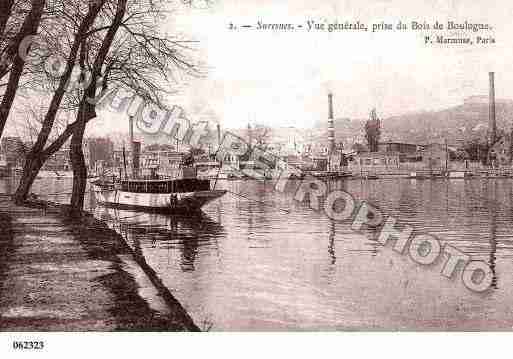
x=179 y=186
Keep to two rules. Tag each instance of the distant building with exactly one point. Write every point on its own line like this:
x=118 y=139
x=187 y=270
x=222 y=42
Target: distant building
x=100 y=153
x=296 y=163
x=435 y=156
x=399 y=147
x=13 y=151
x=59 y=161
x=358 y=148
x=373 y=159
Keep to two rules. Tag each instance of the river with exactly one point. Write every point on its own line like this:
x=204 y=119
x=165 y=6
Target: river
x=262 y=261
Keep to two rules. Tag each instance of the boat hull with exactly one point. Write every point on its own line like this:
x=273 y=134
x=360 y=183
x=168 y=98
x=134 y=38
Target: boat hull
x=165 y=202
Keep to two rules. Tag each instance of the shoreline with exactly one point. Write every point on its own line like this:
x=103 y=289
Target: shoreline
x=63 y=274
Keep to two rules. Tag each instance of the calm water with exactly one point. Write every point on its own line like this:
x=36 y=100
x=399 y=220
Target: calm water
x=247 y=265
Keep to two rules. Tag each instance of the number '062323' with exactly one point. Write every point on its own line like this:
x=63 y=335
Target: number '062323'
x=21 y=345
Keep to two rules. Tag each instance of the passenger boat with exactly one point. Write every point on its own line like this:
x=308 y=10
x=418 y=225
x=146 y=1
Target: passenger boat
x=183 y=192
x=163 y=195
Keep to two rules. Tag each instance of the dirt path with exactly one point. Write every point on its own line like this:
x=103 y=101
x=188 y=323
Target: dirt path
x=62 y=275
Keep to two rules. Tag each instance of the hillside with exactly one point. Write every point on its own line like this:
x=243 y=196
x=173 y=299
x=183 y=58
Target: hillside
x=459 y=123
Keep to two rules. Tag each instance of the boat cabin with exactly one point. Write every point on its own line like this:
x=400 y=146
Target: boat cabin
x=165 y=186
x=182 y=185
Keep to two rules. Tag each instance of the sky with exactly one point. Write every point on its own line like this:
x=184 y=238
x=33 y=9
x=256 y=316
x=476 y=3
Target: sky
x=282 y=78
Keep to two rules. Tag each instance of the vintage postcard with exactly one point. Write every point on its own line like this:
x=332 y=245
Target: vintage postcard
x=254 y=166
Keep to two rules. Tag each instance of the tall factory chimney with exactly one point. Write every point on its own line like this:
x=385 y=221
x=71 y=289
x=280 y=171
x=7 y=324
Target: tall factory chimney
x=131 y=129
x=135 y=148
x=491 y=113
x=331 y=126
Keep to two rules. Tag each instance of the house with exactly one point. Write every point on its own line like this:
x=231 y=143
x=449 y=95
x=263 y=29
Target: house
x=59 y=161
x=99 y=153
x=296 y=162
x=376 y=159
x=408 y=152
x=399 y=147
x=13 y=151
x=389 y=154
x=435 y=156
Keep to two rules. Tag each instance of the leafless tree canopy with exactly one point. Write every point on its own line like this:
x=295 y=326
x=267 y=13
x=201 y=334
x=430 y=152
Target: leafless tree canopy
x=85 y=48
x=261 y=136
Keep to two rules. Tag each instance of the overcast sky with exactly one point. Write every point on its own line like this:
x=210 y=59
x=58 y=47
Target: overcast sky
x=282 y=78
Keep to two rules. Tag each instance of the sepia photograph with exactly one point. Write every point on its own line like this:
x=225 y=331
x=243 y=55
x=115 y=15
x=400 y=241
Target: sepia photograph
x=335 y=167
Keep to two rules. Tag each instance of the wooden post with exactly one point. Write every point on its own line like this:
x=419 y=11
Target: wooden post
x=124 y=161
x=446 y=157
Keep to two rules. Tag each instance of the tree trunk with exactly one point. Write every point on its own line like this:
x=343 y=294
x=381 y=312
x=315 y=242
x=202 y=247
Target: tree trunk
x=5 y=14
x=79 y=175
x=87 y=111
x=30 y=170
x=29 y=27
x=78 y=163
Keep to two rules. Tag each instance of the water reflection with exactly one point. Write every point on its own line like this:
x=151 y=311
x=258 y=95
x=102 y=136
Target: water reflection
x=492 y=210
x=164 y=232
x=331 y=246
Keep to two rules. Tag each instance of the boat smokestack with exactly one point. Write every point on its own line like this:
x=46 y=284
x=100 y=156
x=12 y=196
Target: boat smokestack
x=491 y=113
x=135 y=148
x=131 y=128
x=331 y=126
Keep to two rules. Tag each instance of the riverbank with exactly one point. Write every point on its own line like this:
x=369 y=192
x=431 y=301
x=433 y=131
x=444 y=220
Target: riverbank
x=58 y=274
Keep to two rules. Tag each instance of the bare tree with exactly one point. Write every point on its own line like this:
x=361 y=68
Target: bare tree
x=261 y=136
x=29 y=116
x=373 y=131
x=123 y=50
x=39 y=154
x=11 y=18
x=29 y=28
x=5 y=14
x=139 y=59
x=86 y=110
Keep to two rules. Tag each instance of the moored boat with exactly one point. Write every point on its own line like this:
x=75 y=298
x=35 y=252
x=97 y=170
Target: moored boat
x=183 y=192
x=168 y=195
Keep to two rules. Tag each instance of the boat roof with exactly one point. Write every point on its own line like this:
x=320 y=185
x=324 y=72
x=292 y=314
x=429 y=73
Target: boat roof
x=157 y=180
x=149 y=180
